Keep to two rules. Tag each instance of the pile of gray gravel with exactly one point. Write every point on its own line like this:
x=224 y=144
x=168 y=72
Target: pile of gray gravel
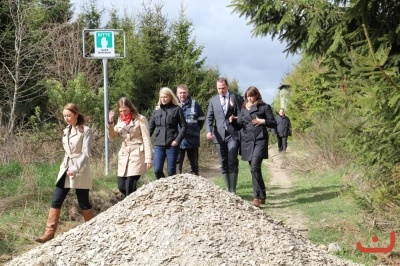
x=180 y=220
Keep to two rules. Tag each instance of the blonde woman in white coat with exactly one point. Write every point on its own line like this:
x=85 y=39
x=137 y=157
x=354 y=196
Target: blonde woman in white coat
x=136 y=154
x=74 y=170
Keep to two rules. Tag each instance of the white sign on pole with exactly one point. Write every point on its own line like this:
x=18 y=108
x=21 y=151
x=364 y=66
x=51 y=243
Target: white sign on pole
x=104 y=41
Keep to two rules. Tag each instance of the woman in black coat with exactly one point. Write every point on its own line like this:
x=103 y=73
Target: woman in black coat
x=168 y=125
x=254 y=118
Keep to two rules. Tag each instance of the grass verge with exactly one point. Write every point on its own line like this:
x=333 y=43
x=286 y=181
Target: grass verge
x=333 y=216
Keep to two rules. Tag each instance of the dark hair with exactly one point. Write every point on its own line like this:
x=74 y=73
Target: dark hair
x=253 y=91
x=80 y=121
x=224 y=80
x=125 y=102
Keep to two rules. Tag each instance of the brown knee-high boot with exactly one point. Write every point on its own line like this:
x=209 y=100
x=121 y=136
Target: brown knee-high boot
x=87 y=214
x=51 y=226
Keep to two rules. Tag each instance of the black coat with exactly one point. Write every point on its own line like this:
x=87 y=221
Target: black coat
x=283 y=128
x=254 y=142
x=164 y=122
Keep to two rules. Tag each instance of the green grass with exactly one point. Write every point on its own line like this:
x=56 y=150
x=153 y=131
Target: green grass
x=25 y=200
x=333 y=214
x=10 y=170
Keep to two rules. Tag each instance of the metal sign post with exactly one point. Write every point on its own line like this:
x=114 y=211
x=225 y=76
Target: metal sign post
x=105 y=47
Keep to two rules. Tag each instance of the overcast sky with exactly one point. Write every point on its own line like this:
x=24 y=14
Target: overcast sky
x=227 y=40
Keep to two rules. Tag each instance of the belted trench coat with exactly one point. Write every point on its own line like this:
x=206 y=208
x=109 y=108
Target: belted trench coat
x=136 y=149
x=77 y=146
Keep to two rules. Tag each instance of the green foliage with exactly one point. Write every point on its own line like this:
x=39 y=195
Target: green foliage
x=39 y=129
x=79 y=92
x=184 y=57
x=91 y=16
x=313 y=90
x=51 y=11
x=322 y=27
x=377 y=144
x=159 y=53
x=349 y=70
x=23 y=54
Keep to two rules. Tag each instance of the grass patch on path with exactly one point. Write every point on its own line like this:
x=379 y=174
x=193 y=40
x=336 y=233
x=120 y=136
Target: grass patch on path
x=334 y=216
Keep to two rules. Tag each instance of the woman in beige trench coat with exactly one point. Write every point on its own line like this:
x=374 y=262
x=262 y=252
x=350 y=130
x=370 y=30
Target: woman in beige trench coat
x=135 y=154
x=74 y=170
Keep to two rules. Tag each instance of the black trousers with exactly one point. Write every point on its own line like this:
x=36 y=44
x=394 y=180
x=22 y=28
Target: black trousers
x=282 y=143
x=257 y=179
x=127 y=185
x=60 y=193
x=228 y=155
x=193 y=155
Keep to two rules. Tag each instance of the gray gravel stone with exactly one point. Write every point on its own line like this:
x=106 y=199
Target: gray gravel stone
x=180 y=220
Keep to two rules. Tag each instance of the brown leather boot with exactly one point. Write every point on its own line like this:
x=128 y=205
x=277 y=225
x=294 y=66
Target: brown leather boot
x=257 y=202
x=51 y=226
x=87 y=214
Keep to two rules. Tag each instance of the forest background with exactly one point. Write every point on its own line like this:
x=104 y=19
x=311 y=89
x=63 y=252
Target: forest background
x=343 y=100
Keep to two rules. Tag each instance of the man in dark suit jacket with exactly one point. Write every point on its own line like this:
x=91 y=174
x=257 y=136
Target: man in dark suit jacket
x=222 y=133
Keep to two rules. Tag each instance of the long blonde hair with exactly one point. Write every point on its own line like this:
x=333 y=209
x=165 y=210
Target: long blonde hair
x=170 y=94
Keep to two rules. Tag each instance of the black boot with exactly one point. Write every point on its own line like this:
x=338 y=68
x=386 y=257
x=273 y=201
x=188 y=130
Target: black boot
x=233 y=177
x=226 y=181
x=258 y=186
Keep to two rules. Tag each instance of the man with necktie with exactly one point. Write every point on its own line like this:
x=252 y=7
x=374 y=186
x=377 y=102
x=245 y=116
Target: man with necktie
x=225 y=137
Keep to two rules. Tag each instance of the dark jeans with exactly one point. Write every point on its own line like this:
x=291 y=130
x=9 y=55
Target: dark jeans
x=282 y=143
x=193 y=155
x=162 y=152
x=257 y=179
x=228 y=155
x=127 y=185
x=60 y=193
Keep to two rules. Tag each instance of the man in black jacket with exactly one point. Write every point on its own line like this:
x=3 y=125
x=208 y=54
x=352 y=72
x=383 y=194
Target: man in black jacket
x=283 y=130
x=222 y=133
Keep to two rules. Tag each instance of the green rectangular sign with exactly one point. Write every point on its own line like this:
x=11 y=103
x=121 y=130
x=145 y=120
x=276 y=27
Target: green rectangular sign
x=104 y=43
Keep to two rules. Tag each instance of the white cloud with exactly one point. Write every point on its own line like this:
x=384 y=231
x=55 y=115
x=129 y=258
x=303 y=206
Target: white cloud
x=227 y=40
